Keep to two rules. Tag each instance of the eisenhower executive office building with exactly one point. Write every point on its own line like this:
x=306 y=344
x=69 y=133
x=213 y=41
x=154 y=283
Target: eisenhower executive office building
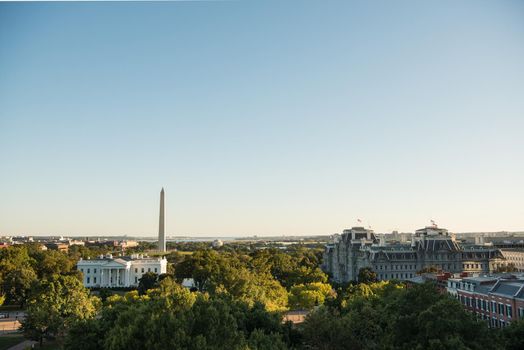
x=431 y=246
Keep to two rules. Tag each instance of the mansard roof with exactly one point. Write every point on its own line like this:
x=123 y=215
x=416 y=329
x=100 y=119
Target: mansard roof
x=401 y=253
x=510 y=288
x=438 y=245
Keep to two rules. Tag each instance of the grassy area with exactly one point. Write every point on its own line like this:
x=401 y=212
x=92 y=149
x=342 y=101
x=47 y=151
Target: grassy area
x=6 y=341
x=10 y=308
x=49 y=346
x=185 y=253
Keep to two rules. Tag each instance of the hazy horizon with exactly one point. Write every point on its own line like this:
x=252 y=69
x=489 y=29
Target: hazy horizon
x=261 y=117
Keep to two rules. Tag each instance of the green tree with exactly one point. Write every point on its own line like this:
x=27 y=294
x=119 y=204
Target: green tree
x=16 y=285
x=228 y=273
x=52 y=262
x=16 y=273
x=104 y=294
x=259 y=340
x=171 y=317
x=147 y=281
x=299 y=266
x=307 y=296
x=328 y=330
x=54 y=305
x=384 y=315
x=367 y=275
x=86 y=334
x=420 y=316
x=513 y=336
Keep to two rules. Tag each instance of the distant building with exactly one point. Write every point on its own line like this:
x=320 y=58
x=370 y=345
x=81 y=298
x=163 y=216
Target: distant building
x=128 y=244
x=217 y=243
x=21 y=239
x=295 y=316
x=72 y=242
x=430 y=248
x=112 y=244
x=62 y=247
x=125 y=271
x=189 y=283
x=514 y=257
x=496 y=300
x=440 y=279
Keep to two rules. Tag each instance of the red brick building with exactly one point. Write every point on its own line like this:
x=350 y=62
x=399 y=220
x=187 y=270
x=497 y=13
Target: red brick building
x=497 y=300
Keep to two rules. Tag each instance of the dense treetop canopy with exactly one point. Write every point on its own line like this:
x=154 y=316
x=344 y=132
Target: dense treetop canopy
x=240 y=299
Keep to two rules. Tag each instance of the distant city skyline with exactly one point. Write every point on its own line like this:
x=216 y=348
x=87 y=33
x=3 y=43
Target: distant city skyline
x=261 y=118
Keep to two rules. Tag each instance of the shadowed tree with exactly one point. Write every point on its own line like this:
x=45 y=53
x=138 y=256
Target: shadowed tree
x=147 y=281
x=367 y=275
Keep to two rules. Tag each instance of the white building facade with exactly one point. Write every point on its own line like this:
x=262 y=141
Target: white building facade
x=514 y=257
x=122 y=271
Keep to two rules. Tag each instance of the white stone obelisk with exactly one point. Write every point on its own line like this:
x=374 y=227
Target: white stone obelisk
x=161 y=232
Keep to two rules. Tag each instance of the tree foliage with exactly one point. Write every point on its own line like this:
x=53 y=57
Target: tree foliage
x=54 y=305
x=367 y=275
x=384 y=315
x=147 y=281
x=171 y=317
x=242 y=294
x=307 y=296
x=228 y=274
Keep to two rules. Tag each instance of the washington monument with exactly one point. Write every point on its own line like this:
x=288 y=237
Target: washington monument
x=161 y=232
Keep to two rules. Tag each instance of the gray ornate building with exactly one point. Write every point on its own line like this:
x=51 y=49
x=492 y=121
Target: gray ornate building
x=430 y=247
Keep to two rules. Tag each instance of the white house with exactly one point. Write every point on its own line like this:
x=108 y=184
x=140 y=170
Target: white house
x=122 y=271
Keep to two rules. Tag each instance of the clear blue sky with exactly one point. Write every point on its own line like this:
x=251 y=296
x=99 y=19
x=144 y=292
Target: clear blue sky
x=287 y=117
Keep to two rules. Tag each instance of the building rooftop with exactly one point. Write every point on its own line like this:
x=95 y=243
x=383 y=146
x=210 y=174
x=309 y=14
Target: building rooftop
x=509 y=288
x=122 y=259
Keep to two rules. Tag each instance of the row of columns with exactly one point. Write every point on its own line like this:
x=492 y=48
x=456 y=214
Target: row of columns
x=114 y=273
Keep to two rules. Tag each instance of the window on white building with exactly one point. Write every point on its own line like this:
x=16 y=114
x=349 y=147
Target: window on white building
x=88 y=281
